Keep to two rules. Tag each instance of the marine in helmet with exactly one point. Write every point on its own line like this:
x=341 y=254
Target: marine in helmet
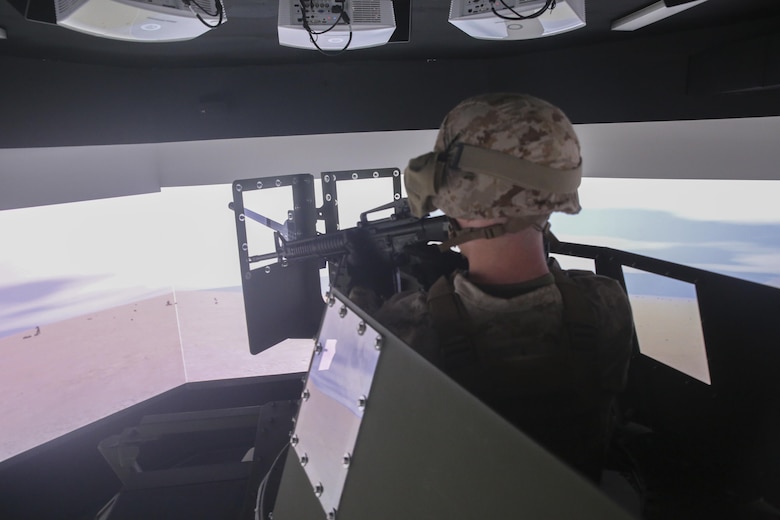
x=547 y=349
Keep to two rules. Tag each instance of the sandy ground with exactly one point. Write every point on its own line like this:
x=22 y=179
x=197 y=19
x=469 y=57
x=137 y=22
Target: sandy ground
x=669 y=330
x=65 y=375
x=216 y=346
x=68 y=374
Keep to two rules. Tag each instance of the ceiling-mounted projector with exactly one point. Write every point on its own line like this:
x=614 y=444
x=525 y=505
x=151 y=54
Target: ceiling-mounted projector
x=335 y=25
x=140 y=20
x=494 y=20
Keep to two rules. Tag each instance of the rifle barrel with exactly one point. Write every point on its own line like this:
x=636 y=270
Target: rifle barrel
x=323 y=245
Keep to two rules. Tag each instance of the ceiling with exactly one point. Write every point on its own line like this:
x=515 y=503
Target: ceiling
x=249 y=37
x=720 y=59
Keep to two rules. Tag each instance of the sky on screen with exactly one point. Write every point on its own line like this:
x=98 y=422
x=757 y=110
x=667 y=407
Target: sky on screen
x=66 y=260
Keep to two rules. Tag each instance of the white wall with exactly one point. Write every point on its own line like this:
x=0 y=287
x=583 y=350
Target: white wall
x=711 y=149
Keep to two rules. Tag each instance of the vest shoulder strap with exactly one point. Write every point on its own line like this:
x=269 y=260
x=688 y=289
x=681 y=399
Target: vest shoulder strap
x=452 y=323
x=579 y=317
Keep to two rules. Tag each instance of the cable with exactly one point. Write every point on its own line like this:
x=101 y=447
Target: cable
x=549 y=4
x=259 y=502
x=220 y=12
x=313 y=34
x=342 y=15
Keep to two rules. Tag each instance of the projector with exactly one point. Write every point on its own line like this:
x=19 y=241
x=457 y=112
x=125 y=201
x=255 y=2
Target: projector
x=370 y=22
x=477 y=19
x=139 y=21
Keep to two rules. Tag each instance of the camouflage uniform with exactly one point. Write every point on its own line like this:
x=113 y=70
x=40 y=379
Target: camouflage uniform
x=526 y=325
x=529 y=325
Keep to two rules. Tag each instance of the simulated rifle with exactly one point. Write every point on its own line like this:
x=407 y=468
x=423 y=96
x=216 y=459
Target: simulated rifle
x=389 y=248
x=387 y=254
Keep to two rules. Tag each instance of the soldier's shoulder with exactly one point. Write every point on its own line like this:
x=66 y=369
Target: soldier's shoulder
x=604 y=292
x=408 y=308
x=406 y=315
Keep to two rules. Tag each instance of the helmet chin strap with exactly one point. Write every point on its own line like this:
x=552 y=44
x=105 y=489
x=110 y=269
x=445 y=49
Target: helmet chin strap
x=459 y=235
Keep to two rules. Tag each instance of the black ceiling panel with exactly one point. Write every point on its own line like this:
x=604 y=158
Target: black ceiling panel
x=60 y=87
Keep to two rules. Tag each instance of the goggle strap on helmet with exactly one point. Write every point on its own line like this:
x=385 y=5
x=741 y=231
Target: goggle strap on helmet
x=460 y=235
x=514 y=170
x=423 y=177
x=425 y=174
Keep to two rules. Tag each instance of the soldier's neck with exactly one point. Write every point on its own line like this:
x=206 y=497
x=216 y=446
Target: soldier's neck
x=514 y=258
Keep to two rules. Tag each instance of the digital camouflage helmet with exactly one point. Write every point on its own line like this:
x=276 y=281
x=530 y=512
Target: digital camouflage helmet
x=499 y=155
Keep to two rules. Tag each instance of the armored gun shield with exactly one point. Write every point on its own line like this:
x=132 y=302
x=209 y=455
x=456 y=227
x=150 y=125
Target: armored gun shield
x=383 y=434
x=282 y=300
